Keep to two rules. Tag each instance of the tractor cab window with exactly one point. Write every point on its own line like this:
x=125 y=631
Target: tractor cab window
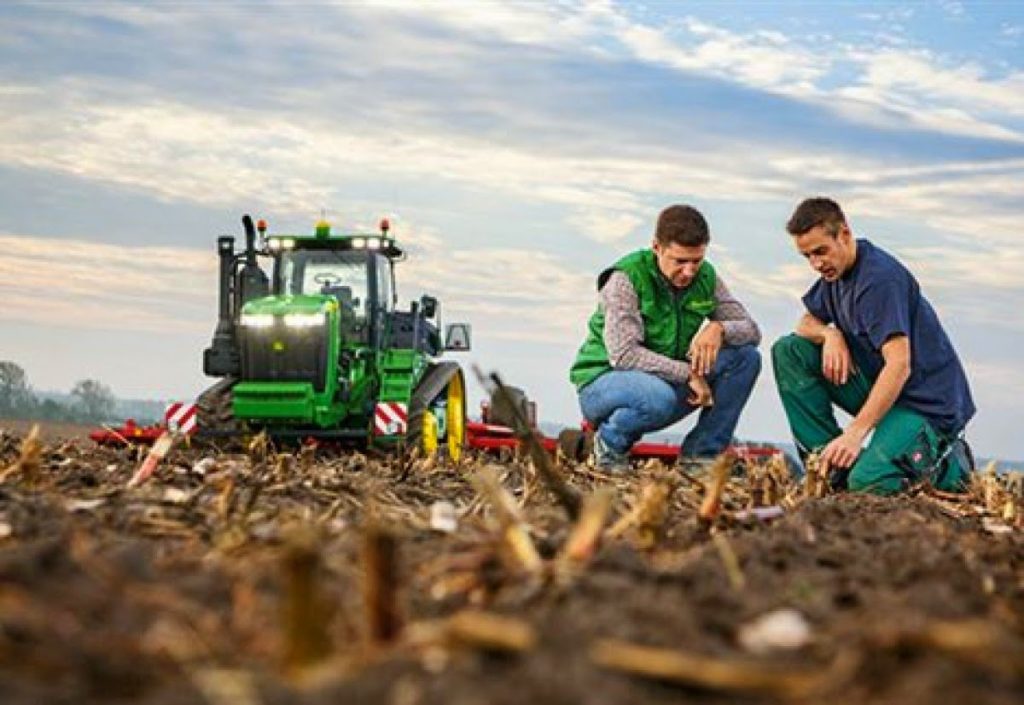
x=384 y=283
x=339 y=274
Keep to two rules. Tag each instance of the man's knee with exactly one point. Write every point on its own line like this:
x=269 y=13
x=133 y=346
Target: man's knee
x=794 y=361
x=656 y=403
x=747 y=359
x=875 y=478
x=651 y=399
x=791 y=348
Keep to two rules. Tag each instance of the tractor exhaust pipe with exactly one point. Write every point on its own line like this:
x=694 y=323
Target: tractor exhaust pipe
x=250 y=241
x=252 y=281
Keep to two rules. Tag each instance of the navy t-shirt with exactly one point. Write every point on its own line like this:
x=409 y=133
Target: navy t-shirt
x=879 y=298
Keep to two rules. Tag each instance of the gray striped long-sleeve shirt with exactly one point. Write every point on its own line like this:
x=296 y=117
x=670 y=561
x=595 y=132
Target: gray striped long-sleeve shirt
x=624 y=329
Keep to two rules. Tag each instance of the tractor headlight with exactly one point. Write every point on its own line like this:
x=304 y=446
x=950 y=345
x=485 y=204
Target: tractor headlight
x=257 y=320
x=274 y=243
x=288 y=243
x=358 y=243
x=304 y=320
x=372 y=243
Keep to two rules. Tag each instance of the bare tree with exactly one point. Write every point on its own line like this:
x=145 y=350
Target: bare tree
x=93 y=400
x=16 y=396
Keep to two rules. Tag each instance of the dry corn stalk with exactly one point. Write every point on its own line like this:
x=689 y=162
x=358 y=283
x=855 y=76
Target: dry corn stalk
x=568 y=497
x=992 y=491
x=380 y=584
x=778 y=469
x=756 y=476
x=816 y=482
x=652 y=513
x=306 y=615
x=259 y=447
x=648 y=514
x=719 y=674
x=161 y=447
x=1013 y=511
x=28 y=462
x=775 y=479
x=585 y=538
x=979 y=642
x=225 y=498
x=490 y=632
x=307 y=456
x=513 y=529
x=729 y=560
x=719 y=475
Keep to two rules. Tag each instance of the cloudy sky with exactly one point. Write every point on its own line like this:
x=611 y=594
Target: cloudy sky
x=518 y=148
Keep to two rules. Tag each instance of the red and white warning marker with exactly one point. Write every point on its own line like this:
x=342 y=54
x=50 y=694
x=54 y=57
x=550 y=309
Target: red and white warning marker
x=390 y=418
x=180 y=417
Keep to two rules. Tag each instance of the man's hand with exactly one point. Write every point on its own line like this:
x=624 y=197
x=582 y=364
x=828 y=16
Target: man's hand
x=700 y=391
x=842 y=451
x=705 y=346
x=836 y=363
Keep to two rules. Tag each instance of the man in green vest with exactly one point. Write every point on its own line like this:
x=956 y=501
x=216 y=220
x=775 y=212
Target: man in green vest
x=667 y=338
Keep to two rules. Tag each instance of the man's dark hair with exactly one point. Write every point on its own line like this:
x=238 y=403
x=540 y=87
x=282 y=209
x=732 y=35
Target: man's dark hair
x=683 y=225
x=814 y=212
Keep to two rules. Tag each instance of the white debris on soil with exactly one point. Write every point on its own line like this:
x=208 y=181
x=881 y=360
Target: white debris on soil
x=83 y=505
x=443 y=517
x=781 y=630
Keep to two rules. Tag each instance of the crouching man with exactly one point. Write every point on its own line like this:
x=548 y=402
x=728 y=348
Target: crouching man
x=871 y=344
x=667 y=338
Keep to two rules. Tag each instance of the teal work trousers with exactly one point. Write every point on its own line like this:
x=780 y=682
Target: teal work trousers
x=904 y=449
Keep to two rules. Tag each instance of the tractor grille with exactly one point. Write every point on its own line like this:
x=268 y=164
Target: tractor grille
x=282 y=354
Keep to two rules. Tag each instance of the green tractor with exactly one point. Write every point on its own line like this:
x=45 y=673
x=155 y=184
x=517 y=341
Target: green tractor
x=319 y=348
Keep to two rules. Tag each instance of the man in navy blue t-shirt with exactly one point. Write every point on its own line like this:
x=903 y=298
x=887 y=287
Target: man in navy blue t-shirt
x=871 y=344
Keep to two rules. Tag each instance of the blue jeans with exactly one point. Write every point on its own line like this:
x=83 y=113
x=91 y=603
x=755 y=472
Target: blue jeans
x=623 y=405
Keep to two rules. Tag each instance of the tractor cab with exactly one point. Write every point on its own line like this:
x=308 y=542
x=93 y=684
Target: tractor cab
x=357 y=271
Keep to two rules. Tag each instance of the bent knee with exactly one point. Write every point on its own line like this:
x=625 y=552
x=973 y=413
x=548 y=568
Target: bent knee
x=749 y=356
x=789 y=346
x=875 y=479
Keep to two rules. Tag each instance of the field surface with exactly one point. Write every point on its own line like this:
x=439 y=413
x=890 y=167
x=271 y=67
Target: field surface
x=264 y=576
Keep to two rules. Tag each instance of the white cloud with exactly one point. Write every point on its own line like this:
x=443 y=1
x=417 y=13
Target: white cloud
x=607 y=226
x=505 y=292
x=920 y=76
x=759 y=59
x=85 y=284
x=183 y=152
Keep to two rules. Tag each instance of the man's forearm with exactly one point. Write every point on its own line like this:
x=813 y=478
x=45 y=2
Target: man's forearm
x=738 y=327
x=813 y=329
x=881 y=398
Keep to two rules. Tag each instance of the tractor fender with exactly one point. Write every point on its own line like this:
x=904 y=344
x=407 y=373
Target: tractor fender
x=433 y=382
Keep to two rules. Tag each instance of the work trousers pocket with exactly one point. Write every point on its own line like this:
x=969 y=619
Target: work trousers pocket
x=919 y=460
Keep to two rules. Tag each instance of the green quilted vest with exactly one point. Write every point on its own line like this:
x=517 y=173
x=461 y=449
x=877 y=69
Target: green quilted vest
x=671 y=317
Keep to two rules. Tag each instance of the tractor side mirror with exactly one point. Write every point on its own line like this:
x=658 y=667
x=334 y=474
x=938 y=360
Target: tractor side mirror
x=457 y=336
x=428 y=304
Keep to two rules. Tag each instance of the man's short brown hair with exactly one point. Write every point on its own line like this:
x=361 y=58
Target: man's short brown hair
x=683 y=225
x=814 y=212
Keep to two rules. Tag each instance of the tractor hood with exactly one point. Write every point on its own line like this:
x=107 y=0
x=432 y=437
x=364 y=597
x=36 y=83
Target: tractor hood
x=283 y=305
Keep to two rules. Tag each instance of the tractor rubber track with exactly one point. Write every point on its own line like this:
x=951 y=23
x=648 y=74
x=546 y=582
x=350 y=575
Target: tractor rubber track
x=214 y=411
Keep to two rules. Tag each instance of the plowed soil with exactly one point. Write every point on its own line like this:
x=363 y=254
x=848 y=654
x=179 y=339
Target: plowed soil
x=242 y=578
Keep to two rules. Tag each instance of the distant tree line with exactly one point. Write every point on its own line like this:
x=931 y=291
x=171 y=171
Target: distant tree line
x=90 y=401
